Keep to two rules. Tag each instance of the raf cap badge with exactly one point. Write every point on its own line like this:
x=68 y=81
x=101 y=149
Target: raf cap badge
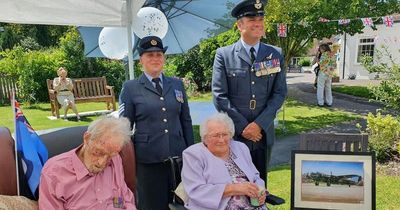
x=153 y=42
x=258 y=4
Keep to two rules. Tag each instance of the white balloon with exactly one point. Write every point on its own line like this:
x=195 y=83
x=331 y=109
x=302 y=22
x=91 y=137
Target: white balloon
x=113 y=42
x=150 y=21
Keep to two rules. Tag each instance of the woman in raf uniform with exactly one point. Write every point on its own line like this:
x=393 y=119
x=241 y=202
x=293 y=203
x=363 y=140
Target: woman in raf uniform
x=158 y=110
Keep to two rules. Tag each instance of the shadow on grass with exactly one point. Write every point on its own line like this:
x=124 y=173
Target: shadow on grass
x=38 y=107
x=280 y=167
x=303 y=124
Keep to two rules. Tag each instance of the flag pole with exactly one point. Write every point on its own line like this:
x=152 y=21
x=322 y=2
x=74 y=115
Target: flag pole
x=15 y=138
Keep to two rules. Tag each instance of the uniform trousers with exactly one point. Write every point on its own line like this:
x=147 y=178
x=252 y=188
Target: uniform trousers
x=154 y=186
x=260 y=158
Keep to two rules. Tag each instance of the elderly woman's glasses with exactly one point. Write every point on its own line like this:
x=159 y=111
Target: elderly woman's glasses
x=218 y=135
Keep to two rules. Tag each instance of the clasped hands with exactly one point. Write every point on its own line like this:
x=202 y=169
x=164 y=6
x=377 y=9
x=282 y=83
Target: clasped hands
x=252 y=190
x=252 y=132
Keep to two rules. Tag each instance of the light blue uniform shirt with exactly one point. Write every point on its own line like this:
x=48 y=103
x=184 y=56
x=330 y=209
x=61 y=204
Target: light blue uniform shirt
x=247 y=47
x=150 y=78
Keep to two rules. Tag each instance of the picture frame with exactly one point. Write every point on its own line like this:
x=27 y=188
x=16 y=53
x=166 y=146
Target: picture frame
x=333 y=180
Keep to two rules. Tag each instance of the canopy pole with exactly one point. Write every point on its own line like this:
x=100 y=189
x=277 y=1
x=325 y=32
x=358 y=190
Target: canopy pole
x=129 y=31
x=15 y=138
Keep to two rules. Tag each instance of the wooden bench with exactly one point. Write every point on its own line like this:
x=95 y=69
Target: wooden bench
x=85 y=90
x=344 y=142
x=294 y=69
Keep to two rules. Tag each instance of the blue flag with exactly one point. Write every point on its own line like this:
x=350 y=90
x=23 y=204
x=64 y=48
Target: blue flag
x=32 y=151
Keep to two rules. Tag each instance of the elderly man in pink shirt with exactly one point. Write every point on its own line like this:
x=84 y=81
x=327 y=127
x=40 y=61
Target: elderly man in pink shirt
x=90 y=176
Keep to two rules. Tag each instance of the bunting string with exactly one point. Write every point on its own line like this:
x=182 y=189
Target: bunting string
x=388 y=21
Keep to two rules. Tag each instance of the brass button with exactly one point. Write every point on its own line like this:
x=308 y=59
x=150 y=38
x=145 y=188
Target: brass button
x=165 y=120
x=162 y=98
x=164 y=109
x=166 y=130
x=252 y=82
x=253 y=96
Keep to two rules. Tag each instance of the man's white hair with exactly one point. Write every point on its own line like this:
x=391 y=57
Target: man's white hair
x=221 y=117
x=110 y=125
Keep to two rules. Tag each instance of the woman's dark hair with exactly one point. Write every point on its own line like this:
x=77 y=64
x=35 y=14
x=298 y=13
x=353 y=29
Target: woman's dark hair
x=325 y=47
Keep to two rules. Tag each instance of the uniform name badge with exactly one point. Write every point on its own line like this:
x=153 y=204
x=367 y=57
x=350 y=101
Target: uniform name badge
x=179 y=96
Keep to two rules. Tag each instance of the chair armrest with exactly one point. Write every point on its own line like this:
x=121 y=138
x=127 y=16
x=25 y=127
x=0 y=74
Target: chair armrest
x=129 y=163
x=111 y=89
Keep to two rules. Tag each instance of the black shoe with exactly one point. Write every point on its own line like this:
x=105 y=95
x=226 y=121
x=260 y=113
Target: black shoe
x=274 y=200
x=320 y=105
x=328 y=105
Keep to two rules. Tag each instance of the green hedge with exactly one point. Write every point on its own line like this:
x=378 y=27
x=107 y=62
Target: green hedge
x=32 y=68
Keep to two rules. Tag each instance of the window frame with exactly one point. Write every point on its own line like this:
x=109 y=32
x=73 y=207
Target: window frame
x=360 y=43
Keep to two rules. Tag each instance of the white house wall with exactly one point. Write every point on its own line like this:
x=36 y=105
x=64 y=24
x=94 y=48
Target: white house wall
x=384 y=36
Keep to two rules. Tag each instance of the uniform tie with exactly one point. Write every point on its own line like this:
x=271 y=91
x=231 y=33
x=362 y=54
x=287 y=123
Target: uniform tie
x=252 y=54
x=158 y=86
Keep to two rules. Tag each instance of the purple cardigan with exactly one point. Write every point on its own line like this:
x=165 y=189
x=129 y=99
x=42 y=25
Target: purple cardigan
x=205 y=176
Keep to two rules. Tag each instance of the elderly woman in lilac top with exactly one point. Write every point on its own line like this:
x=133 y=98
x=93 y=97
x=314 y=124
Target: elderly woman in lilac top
x=218 y=173
x=90 y=176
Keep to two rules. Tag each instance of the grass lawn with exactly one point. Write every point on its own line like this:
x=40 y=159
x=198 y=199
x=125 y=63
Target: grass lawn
x=37 y=116
x=201 y=97
x=360 y=91
x=387 y=189
x=300 y=117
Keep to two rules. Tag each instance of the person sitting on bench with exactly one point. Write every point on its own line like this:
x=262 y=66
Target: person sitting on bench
x=64 y=86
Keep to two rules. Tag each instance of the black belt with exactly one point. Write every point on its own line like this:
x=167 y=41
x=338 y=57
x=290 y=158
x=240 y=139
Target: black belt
x=63 y=90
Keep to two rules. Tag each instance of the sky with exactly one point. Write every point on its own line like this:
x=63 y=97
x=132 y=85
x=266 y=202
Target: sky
x=336 y=167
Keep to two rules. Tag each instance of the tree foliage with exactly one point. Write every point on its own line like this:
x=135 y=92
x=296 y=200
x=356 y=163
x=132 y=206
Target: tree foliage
x=199 y=60
x=385 y=66
x=33 y=67
x=43 y=35
x=302 y=19
x=197 y=63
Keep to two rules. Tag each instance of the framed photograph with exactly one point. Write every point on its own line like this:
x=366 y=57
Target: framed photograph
x=333 y=180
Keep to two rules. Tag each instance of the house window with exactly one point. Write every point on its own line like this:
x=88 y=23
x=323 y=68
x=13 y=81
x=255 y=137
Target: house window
x=365 y=47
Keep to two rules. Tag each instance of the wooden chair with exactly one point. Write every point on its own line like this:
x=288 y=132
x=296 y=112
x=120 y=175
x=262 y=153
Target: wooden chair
x=93 y=89
x=345 y=142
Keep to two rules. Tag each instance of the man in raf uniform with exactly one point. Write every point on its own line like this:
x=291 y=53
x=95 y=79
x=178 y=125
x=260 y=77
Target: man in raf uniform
x=249 y=83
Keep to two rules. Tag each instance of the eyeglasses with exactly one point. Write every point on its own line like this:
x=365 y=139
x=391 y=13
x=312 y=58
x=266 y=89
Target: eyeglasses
x=218 y=135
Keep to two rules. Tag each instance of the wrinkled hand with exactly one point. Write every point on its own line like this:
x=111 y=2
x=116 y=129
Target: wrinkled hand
x=247 y=188
x=252 y=132
x=63 y=79
x=263 y=196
